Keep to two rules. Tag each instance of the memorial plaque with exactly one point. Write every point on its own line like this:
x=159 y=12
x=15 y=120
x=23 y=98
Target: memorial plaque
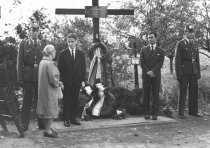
x=96 y=11
x=135 y=60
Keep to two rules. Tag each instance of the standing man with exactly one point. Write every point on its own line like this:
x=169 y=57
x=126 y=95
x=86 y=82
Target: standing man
x=187 y=66
x=28 y=58
x=72 y=67
x=151 y=61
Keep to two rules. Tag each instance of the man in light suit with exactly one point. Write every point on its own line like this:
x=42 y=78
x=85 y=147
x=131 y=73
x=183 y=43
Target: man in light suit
x=151 y=61
x=72 y=67
x=187 y=67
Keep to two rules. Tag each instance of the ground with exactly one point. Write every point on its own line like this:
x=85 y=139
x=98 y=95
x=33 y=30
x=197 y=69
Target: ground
x=191 y=132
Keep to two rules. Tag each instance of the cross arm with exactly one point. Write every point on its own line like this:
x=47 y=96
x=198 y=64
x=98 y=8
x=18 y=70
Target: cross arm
x=70 y=11
x=120 y=11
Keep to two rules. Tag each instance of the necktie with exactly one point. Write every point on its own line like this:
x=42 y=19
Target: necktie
x=72 y=53
x=152 y=49
x=35 y=43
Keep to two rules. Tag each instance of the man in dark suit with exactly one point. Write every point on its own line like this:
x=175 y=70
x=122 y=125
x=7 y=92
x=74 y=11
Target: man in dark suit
x=151 y=61
x=28 y=59
x=72 y=67
x=187 y=66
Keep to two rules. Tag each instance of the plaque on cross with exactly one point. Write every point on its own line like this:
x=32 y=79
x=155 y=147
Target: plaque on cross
x=95 y=11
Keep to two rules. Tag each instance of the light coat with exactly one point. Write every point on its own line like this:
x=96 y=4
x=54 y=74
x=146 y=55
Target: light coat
x=48 y=87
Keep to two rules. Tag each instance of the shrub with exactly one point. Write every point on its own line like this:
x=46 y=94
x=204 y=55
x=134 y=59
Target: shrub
x=169 y=91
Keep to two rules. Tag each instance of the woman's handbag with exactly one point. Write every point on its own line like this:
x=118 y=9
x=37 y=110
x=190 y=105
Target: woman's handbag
x=60 y=93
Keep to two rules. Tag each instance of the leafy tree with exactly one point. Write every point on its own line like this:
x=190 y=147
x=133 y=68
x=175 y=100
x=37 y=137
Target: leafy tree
x=166 y=17
x=203 y=26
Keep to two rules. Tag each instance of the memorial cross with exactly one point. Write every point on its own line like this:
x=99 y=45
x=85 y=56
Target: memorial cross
x=95 y=12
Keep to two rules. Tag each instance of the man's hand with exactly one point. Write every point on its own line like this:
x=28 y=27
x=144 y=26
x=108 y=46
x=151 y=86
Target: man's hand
x=198 y=76
x=151 y=74
x=83 y=84
x=179 y=78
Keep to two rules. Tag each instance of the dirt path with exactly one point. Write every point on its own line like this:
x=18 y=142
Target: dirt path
x=191 y=132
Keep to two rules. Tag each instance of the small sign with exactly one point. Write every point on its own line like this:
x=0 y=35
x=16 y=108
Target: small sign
x=96 y=11
x=135 y=60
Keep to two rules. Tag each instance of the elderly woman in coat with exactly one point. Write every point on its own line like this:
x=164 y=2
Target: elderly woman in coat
x=49 y=87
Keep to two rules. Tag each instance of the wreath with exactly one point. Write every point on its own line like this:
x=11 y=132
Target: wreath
x=104 y=53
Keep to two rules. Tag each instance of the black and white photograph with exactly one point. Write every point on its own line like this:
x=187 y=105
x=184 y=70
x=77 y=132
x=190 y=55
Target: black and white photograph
x=105 y=73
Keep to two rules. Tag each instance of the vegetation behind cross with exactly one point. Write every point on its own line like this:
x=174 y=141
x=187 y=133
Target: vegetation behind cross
x=95 y=11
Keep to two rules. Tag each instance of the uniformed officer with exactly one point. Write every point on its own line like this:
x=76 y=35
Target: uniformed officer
x=187 y=67
x=28 y=58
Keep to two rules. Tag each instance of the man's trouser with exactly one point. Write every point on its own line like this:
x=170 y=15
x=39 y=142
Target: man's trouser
x=30 y=92
x=189 y=82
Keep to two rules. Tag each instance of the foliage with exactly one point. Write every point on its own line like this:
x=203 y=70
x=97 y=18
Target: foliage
x=8 y=54
x=38 y=15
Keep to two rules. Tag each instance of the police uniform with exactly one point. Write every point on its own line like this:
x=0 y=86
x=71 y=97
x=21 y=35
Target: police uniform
x=28 y=59
x=187 y=67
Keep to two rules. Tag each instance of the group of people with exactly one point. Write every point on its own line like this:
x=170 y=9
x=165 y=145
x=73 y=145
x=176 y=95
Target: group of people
x=42 y=80
x=187 y=67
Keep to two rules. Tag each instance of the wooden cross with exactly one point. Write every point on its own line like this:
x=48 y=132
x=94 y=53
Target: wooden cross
x=95 y=11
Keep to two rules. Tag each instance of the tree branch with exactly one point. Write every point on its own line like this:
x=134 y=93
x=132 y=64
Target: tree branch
x=204 y=54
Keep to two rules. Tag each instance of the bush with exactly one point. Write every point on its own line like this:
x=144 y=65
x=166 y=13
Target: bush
x=203 y=89
x=169 y=91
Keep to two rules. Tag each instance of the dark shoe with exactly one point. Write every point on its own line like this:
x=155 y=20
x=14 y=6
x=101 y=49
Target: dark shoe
x=75 y=122
x=181 y=116
x=67 y=123
x=147 y=117
x=154 y=117
x=195 y=114
x=53 y=135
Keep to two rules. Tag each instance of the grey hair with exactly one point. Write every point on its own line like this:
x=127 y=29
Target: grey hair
x=48 y=49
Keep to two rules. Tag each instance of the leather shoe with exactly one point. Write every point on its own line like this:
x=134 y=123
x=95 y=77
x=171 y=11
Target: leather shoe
x=154 y=117
x=52 y=135
x=67 y=123
x=146 y=117
x=195 y=114
x=75 y=122
x=181 y=116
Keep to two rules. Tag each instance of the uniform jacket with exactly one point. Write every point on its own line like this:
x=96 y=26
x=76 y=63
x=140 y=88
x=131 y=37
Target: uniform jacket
x=27 y=56
x=151 y=61
x=187 y=59
x=48 y=83
x=72 y=70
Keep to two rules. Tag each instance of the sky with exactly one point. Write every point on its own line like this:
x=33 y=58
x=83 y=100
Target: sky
x=14 y=14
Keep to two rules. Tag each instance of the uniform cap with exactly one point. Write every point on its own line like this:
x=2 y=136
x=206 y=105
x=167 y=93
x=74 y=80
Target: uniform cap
x=34 y=23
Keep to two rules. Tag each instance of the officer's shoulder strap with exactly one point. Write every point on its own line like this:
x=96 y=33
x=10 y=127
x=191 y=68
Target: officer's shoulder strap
x=184 y=41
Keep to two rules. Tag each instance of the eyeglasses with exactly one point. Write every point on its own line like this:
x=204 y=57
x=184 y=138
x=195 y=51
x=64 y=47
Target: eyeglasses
x=35 y=29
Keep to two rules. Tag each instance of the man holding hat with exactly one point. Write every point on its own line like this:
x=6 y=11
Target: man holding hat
x=28 y=59
x=187 y=67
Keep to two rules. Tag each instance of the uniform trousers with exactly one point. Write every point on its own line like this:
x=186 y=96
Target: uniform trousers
x=30 y=95
x=190 y=83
